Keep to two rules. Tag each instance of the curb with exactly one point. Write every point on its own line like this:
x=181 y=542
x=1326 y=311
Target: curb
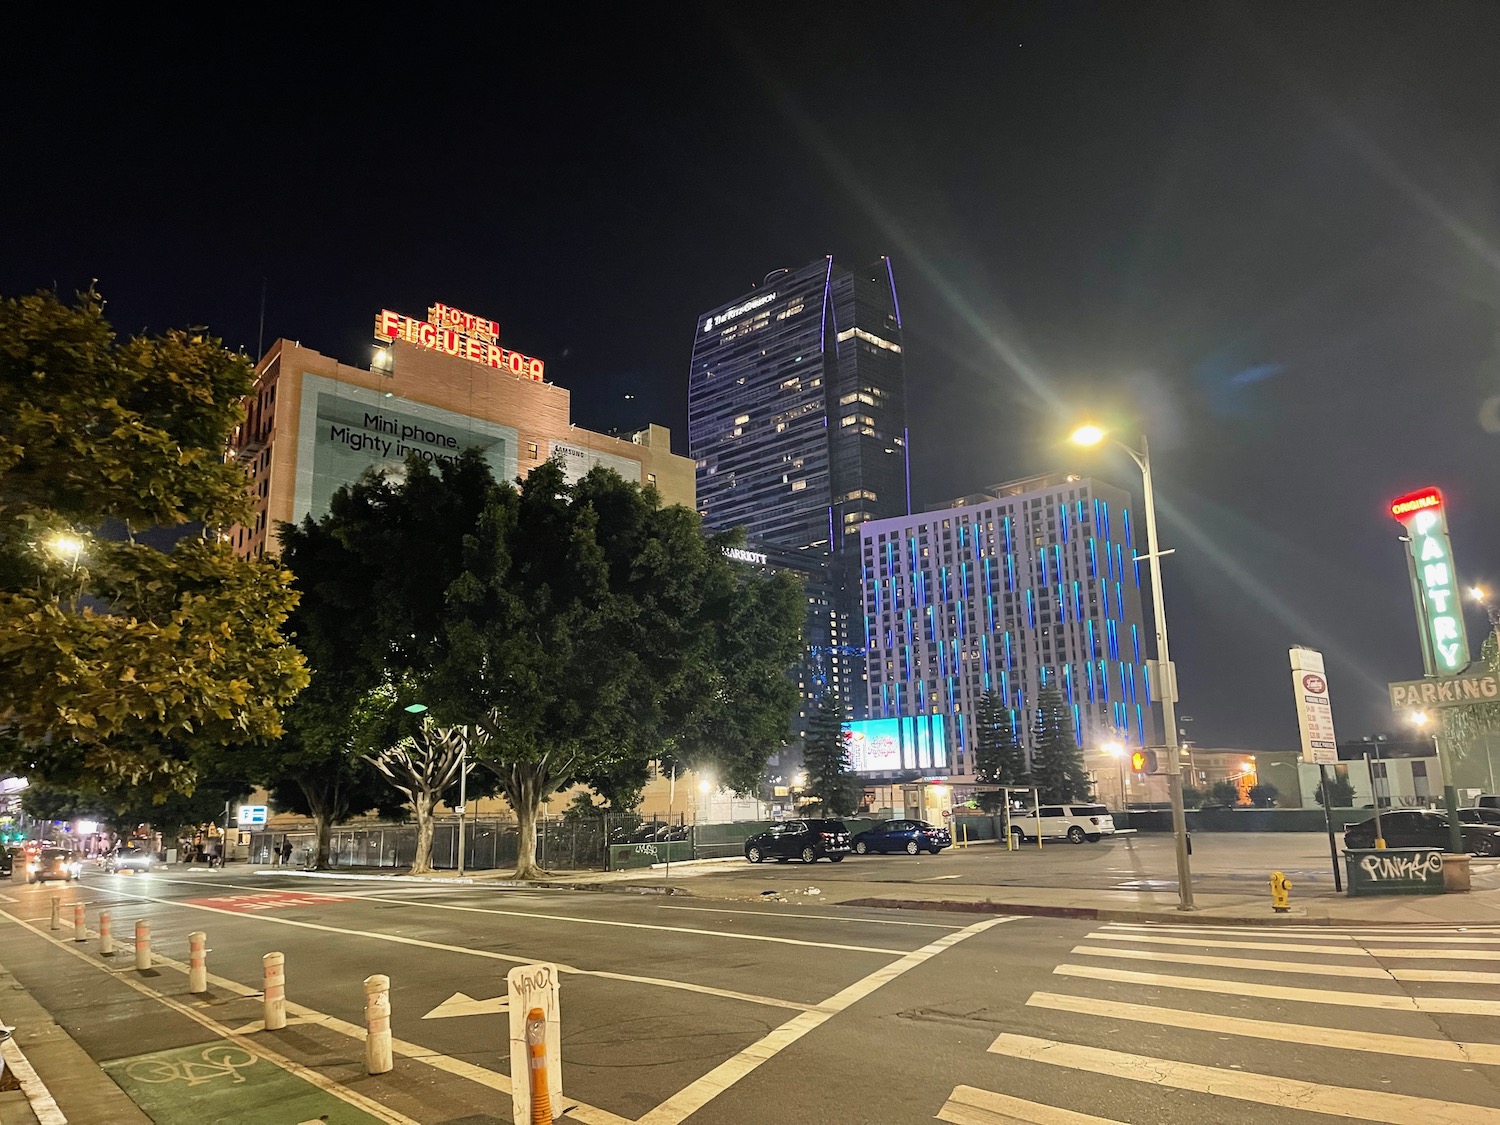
x=13 y=1062
x=1111 y=914
x=463 y=882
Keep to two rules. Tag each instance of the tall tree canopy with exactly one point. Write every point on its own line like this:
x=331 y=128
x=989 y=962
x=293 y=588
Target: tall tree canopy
x=121 y=658
x=999 y=758
x=578 y=630
x=1056 y=758
x=826 y=758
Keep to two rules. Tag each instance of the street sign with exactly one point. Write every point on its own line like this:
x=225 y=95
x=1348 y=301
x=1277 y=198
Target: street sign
x=1440 y=616
x=1314 y=711
x=252 y=814
x=529 y=987
x=1446 y=691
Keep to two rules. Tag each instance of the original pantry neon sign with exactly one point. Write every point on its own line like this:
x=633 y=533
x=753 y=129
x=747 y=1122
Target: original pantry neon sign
x=1434 y=580
x=455 y=332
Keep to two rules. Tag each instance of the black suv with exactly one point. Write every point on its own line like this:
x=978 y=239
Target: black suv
x=807 y=840
x=1414 y=828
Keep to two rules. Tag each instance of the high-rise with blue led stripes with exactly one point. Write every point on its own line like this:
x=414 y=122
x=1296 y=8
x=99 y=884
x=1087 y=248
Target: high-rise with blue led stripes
x=1025 y=584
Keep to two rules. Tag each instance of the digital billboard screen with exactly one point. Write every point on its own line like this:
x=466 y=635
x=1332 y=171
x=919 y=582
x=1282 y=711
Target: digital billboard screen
x=891 y=745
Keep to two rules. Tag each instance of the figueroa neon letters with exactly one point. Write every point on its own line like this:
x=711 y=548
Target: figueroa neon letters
x=455 y=332
x=1439 y=610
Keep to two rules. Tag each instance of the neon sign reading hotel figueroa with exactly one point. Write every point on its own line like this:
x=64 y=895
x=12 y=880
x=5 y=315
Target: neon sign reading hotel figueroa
x=455 y=332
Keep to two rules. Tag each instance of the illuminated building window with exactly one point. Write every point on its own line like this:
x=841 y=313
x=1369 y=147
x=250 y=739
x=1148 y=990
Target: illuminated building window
x=531 y=450
x=798 y=485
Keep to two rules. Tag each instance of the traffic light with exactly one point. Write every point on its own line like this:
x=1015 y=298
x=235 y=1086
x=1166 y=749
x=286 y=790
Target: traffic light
x=1143 y=761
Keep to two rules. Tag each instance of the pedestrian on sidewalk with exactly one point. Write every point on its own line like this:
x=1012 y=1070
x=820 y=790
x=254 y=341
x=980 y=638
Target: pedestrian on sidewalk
x=285 y=854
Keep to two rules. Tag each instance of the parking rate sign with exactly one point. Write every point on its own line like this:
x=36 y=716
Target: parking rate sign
x=1314 y=711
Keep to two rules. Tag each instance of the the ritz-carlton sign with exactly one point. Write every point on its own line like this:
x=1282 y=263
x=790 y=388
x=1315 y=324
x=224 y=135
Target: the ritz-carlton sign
x=455 y=332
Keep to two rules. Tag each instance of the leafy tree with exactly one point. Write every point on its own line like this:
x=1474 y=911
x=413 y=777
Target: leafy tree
x=999 y=758
x=133 y=658
x=1263 y=796
x=1224 y=793
x=1340 y=790
x=1056 y=758
x=826 y=758
x=1192 y=797
x=421 y=767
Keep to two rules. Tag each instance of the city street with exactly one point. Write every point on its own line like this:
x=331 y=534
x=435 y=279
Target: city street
x=679 y=1010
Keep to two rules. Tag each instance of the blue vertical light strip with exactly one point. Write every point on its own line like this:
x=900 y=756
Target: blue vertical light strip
x=1119 y=603
x=1132 y=680
x=989 y=605
x=963 y=580
x=1041 y=563
x=1135 y=565
x=1109 y=531
x=1140 y=723
x=1077 y=600
x=1010 y=571
x=1009 y=547
x=1092 y=640
x=1093 y=560
x=1030 y=611
x=1135 y=642
x=1008 y=662
x=1104 y=597
x=1062 y=519
x=1005 y=686
x=960 y=724
x=1077 y=726
x=1062 y=605
x=1146 y=678
x=984 y=651
x=1125 y=521
x=1089 y=664
x=1067 y=670
x=1103 y=679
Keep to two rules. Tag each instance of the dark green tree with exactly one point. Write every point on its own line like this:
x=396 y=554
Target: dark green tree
x=999 y=758
x=1224 y=793
x=1340 y=789
x=1056 y=758
x=130 y=656
x=1263 y=796
x=827 y=760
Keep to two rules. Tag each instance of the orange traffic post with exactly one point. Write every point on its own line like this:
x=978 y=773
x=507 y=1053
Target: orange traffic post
x=106 y=934
x=536 y=1049
x=197 y=961
x=80 y=931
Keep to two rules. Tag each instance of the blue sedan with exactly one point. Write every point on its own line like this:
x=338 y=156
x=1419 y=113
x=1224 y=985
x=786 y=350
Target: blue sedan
x=909 y=836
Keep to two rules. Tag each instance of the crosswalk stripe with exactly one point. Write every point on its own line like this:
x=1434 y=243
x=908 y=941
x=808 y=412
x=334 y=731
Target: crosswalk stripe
x=1281 y=947
x=1447 y=976
x=1362 y=971
x=1448 y=1005
x=1247 y=1086
x=972 y=1106
x=1408 y=1046
x=1467 y=935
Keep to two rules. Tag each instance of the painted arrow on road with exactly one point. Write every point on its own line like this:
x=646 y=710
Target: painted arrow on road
x=460 y=1004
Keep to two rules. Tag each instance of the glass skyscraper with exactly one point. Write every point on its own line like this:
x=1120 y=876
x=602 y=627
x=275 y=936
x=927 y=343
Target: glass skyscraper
x=797 y=422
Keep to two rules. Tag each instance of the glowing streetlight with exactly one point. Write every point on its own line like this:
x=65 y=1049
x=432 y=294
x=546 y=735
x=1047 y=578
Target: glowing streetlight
x=1116 y=750
x=1093 y=435
x=64 y=545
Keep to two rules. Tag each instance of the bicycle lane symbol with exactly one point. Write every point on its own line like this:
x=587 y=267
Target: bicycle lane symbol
x=225 y=1081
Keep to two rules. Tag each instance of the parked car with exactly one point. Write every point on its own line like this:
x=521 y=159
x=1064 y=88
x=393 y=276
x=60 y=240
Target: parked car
x=807 y=840
x=129 y=859
x=53 y=863
x=1489 y=801
x=7 y=862
x=909 y=836
x=1075 y=823
x=1419 y=828
x=1479 y=816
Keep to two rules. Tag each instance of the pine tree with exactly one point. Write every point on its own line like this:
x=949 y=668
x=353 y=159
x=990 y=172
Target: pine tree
x=999 y=758
x=1056 y=758
x=825 y=757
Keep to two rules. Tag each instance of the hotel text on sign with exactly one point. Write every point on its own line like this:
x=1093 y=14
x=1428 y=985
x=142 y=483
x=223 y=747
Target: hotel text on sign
x=455 y=332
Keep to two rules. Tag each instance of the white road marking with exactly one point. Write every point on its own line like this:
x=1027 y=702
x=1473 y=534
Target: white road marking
x=649 y=926
x=778 y=915
x=494 y=1080
x=1465 y=935
x=696 y=1095
x=256 y=1047
x=462 y=1004
x=971 y=1106
x=397 y=939
x=43 y=1105
x=1409 y=1046
x=1309 y=969
x=938 y=878
x=1289 y=947
x=1246 y=1086
x=1450 y=1005
x=8 y=898
x=1298 y=968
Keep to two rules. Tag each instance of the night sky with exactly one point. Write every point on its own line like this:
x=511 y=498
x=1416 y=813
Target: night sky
x=1268 y=235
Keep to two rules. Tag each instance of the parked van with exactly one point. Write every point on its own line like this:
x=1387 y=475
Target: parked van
x=1074 y=823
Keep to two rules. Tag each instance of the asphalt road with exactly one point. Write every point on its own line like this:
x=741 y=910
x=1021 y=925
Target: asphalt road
x=1222 y=862
x=677 y=1011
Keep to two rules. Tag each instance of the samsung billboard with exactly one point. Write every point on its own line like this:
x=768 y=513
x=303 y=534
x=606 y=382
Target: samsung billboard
x=894 y=745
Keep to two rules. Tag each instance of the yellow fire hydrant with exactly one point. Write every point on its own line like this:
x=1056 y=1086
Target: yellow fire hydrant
x=1281 y=893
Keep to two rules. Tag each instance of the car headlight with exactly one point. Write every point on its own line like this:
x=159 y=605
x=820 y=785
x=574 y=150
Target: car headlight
x=33 y=867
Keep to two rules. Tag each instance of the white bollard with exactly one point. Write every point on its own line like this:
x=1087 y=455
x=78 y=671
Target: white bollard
x=56 y=923
x=106 y=935
x=378 y=1025
x=197 y=961
x=142 y=944
x=275 y=1006
x=80 y=931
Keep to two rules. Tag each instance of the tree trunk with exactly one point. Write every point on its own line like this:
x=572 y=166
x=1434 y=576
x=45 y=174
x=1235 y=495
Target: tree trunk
x=421 y=863
x=323 y=827
x=524 y=792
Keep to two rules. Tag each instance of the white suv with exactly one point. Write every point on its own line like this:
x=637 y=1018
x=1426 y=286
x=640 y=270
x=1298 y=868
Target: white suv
x=1075 y=823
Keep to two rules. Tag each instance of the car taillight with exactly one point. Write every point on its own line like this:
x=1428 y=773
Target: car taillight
x=829 y=835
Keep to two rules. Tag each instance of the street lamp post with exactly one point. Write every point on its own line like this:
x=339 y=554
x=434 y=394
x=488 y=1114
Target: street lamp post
x=1166 y=680
x=1117 y=751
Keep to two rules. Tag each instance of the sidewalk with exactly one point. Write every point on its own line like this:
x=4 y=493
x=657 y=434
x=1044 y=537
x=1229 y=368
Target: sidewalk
x=801 y=884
